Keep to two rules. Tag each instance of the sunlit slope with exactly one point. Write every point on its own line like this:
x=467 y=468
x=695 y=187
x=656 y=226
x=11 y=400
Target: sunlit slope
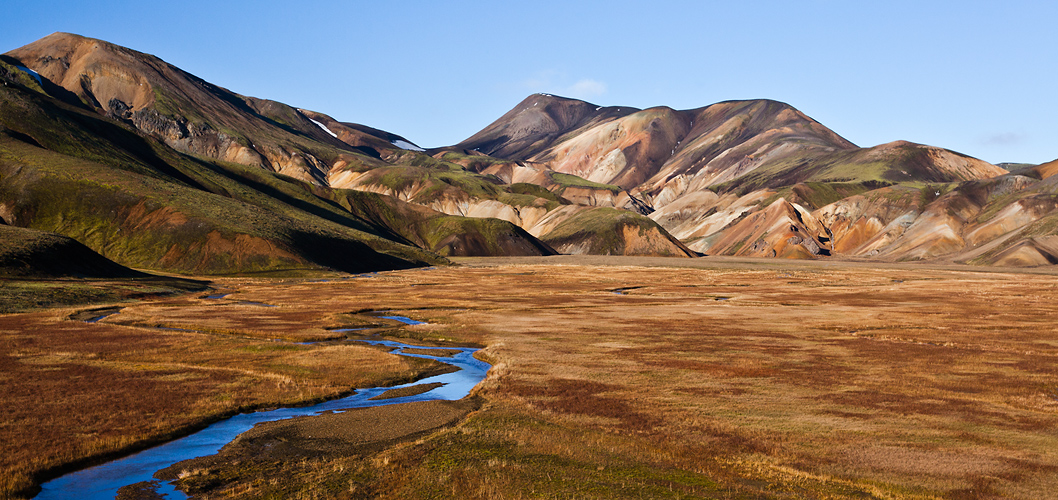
x=139 y=202
x=183 y=111
x=760 y=178
x=144 y=95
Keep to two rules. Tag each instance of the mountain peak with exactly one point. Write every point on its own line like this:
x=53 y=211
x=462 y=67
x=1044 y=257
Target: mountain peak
x=538 y=120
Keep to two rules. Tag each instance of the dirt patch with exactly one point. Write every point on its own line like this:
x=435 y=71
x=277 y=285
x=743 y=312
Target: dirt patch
x=351 y=433
x=93 y=315
x=407 y=391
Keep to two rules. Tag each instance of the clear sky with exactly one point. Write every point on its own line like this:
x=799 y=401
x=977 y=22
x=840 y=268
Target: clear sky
x=975 y=77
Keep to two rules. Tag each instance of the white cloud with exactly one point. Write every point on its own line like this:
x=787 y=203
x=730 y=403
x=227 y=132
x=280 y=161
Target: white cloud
x=1004 y=139
x=587 y=88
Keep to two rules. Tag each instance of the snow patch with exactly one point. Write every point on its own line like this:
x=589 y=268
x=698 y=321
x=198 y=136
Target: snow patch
x=324 y=127
x=407 y=145
x=34 y=74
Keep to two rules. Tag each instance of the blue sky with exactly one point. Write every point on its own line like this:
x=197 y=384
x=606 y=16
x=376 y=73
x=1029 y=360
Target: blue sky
x=975 y=77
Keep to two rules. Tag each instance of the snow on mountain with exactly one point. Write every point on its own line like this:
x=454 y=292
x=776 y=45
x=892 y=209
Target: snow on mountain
x=325 y=129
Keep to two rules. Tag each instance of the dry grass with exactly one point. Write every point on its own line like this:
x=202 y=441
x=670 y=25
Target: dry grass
x=73 y=392
x=788 y=380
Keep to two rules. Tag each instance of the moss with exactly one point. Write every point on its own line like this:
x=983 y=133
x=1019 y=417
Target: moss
x=438 y=232
x=10 y=73
x=568 y=180
x=535 y=190
x=436 y=184
x=112 y=211
x=816 y=195
x=18 y=295
x=601 y=228
x=476 y=236
x=930 y=192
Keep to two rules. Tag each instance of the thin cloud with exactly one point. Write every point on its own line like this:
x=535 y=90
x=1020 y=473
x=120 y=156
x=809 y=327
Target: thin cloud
x=587 y=88
x=557 y=82
x=1004 y=139
x=541 y=81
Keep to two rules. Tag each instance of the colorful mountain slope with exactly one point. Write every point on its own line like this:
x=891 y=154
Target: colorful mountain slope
x=68 y=169
x=761 y=178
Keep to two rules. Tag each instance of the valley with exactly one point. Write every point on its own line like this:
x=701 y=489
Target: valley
x=728 y=301
x=702 y=378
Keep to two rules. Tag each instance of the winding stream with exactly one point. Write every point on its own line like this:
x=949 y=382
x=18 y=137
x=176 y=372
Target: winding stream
x=103 y=481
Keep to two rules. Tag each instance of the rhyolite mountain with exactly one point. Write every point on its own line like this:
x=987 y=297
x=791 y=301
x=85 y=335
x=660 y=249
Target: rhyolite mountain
x=211 y=124
x=163 y=197
x=760 y=178
x=272 y=186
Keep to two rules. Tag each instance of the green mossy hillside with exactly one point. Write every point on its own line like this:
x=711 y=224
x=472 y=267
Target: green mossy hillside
x=27 y=253
x=145 y=222
x=138 y=202
x=572 y=181
x=450 y=183
x=605 y=231
x=448 y=235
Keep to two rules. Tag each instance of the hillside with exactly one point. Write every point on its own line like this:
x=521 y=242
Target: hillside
x=36 y=254
x=145 y=94
x=69 y=169
x=252 y=184
x=760 y=178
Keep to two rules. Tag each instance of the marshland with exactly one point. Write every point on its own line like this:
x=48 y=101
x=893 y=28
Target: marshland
x=705 y=378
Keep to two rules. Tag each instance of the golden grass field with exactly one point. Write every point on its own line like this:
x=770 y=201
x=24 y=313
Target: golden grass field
x=612 y=378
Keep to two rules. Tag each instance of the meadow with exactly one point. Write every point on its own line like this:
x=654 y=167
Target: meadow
x=611 y=378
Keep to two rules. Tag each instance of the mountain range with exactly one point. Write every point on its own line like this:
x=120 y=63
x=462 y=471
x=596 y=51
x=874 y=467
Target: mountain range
x=156 y=169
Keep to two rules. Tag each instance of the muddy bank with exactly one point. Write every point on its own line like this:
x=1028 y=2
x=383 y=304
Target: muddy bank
x=407 y=391
x=352 y=433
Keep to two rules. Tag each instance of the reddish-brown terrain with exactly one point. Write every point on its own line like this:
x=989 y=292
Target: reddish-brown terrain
x=612 y=377
x=759 y=178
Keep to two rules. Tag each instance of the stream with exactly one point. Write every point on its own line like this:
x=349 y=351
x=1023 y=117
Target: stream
x=103 y=481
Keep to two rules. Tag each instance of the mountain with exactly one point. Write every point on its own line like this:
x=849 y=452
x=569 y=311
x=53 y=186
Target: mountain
x=651 y=151
x=760 y=178
x=155 y=168
x=208 y=122
x=142 y=200
x=631 y=148
x=183 y=111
